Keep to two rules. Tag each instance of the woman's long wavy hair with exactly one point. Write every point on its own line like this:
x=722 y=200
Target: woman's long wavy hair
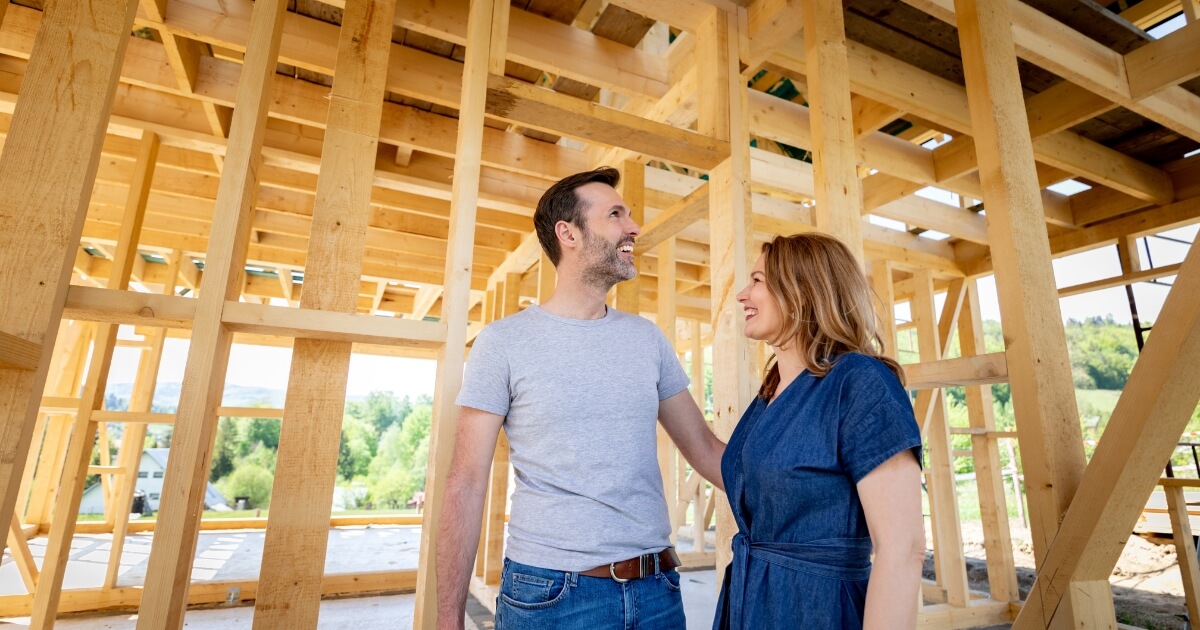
x=826 y=304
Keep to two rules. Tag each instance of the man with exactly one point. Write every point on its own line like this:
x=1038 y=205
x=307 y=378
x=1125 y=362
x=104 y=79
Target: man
x=577 y=388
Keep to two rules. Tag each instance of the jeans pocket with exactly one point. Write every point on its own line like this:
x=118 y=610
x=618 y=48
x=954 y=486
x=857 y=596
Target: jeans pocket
x=671 y=579
x=533 y=592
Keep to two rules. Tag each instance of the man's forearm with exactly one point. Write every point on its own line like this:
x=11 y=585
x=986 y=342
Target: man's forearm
x=457 y=541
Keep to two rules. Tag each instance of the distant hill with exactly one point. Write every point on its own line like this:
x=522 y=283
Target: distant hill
x=166 y=397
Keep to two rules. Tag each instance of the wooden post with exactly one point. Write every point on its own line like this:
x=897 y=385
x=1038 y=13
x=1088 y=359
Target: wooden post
x=492 y=534
x=83 y=433
x=1155 y=406
x=170 y=565
x=633 y=191
x=943 y=493
x=546 y=278
x=18 y=547
x=667 y=453
x=1043 y=392
x=1185 y=548
x=835 y=162
x=133 y=441
x=65 y=380
x=298 y=525
x=699 y=526
x=456 y=296
x=722 y=107
x=993 y=508
x=49 y=164
x=885 y=304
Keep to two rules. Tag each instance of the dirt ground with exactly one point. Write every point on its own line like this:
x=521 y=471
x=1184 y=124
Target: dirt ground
x=1147 y=589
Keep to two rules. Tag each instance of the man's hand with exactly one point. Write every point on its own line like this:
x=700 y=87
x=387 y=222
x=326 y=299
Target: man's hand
x=685 y=424
x=462 y=511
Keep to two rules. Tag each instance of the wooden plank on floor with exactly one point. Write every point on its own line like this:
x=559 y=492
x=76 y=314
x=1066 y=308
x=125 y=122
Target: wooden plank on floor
x=170 y=564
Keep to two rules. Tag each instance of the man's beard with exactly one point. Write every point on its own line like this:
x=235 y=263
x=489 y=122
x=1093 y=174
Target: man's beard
x=602 y=264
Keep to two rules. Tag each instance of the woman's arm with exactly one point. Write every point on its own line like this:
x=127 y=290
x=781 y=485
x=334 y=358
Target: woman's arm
x=891 y=499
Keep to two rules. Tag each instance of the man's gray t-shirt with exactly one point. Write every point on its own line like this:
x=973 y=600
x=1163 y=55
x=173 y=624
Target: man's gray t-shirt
x=580 y=400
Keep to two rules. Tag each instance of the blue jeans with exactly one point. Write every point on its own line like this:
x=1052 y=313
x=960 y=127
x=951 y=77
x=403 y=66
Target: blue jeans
x=532 y=598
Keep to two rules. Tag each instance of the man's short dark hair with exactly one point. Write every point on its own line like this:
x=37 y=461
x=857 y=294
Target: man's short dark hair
x=560 y=203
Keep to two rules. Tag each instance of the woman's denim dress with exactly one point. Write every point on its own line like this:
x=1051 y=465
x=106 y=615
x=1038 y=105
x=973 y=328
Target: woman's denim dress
x=801 y=557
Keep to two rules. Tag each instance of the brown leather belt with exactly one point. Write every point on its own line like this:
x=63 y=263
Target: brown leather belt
x=636 y=568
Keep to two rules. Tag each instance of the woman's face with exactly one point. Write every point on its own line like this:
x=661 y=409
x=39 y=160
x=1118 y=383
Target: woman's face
x=764 y=317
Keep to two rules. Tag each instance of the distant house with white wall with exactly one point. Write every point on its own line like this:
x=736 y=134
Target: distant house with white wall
x=151 y=471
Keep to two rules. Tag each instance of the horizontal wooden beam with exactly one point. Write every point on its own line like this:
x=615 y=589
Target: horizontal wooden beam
x=686 y=211
x=546 y=110
x=1130 y=278
x=982 y=369
x=332 y=326
x=1164 y=63
x=17 y=353
x=91 y=304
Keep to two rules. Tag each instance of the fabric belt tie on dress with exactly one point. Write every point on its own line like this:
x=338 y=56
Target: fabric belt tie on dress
x=836 y=558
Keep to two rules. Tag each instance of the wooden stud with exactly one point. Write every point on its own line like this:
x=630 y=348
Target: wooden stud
x=1040 y=372
x=65 y=380
x=633 y=192
x=83 y=433
x=49 y=161
x=1185 y=548
x=170 y=564
x=491 y=538
x=298 y=524
x=546 y=278
x=997 y=540
x=665 y=318
x=18 y=548
x=943 y=494
x=699 y=524
x=1137 y=442
x=885 y=304
x=456 y=296
x=839 y=192
x=722 y=109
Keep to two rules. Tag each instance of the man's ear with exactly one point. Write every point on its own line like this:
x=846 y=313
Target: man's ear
x=567 y=234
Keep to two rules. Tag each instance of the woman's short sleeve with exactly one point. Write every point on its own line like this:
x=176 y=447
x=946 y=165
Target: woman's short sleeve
x=870 y=437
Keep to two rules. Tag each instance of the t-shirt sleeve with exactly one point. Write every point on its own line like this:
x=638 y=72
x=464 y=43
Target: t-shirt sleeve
x=867 y=439
x=671 y=377
x=486 y=378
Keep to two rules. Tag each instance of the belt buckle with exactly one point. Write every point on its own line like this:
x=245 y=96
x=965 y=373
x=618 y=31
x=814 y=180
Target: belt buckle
x=643 y=561
x=612 y=571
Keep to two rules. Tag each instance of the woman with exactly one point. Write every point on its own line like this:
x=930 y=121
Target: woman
x=824 y=465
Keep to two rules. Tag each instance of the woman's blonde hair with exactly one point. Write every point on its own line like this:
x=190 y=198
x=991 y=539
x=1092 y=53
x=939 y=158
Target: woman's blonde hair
x=826 y=304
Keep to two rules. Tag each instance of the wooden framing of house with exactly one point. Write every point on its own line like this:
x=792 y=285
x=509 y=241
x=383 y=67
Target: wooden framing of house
x=301 y=166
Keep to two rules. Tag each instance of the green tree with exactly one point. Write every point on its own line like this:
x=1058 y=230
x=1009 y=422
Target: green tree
x=225 y=449
x=261 y=456
x=263 y=431
x=249 y=480
x=381 y=410
x=358 y=444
